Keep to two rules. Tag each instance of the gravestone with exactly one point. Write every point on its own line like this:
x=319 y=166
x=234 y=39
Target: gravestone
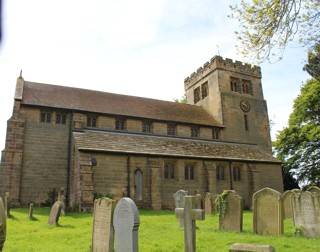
x=30 y=211
x=230 y=211
x=198 y=200
x=103 y=232
x=62 y=199
x=314 y=189
x=189 y=215
x=306 y=213
x=287 y=204
x=55 y=213
x=238 y=247
x=126 y=223
x=208 y=204
x=3 y=224
x=7 y=204
x=267 y=212
x=179 y=202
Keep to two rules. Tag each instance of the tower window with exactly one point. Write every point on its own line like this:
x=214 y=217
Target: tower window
x=45 y=116
x=220 y=172
x=168 y=171
x=196 y=95
x=215 y=134
x=235 y=84
x=204 y=90
x=246 y=124
x=247 y=87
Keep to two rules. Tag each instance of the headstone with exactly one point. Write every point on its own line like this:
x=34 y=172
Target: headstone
x=31 y=211
x=314 y=189
x=198 y=200
x=179 y=202
x=126 y=223
x=267 y=212
x=7 y=204
x=306 y=213
x=230 y=211
x=208 y=204
x=189 y=215
x=3 y=224
x=238 y=247
x=103 y=232
x=287 y=204
x=62 y=199
x=55 y=213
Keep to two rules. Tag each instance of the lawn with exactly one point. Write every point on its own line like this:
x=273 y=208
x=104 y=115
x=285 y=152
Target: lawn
x=159 y=232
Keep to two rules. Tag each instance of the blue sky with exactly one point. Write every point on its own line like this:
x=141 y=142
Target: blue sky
x=142 y=48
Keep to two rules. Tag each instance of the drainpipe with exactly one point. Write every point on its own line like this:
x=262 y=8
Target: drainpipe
x=128 y=177
x=230 y=173
x=69 y=160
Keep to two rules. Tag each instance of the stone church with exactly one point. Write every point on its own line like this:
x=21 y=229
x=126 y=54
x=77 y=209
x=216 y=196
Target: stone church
x=92 y=142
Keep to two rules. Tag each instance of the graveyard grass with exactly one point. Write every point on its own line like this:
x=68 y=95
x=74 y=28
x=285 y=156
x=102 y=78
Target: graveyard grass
x=159 y=232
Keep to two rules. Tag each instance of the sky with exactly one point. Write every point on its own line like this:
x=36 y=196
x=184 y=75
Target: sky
x=142 y=48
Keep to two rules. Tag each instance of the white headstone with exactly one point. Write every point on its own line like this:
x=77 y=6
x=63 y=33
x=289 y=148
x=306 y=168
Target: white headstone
x=179 y=202
x=126 y=223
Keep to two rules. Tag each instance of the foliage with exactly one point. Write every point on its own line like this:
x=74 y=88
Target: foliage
x=268 y=26
x=313 y=65
x=158 y=232
x=52 y=195
x=298 y=145
x=183 y=99
x=222 y=204
x=289 y=181
x=100 y=195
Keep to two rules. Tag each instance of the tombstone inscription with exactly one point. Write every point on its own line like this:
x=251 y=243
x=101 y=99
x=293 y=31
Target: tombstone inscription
x=179 y=202
x=189 y=215
x=231 y=211
x=126 y=222
x=3 y=223
x=306 y=213
x=103 y=232
x=267 y=212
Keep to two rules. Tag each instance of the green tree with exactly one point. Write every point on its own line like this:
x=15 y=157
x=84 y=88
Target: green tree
x=183 y=99
x=313 y=65
x=298 y=145
x=268 y=26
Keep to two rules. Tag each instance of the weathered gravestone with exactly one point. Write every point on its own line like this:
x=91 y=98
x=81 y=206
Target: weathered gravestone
x=179 y=202
x=306 y=213
x=103 y=232
x=126 y=223
x=55 y=213
x=3 y=223
x=314 y=189
x=208 y=204
x=267 y=212
x=238 y=247
x=30 y=211
x=230 y=211
x=7 y=204
x=62 y=199
x=189 y=215
x=287 y=204
x=198 y=200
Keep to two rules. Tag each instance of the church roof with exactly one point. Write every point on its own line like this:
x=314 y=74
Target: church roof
x=114 y=104
x=165 y=146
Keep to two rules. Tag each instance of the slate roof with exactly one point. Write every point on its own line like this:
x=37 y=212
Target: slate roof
x=113 y=104
x=165 y=146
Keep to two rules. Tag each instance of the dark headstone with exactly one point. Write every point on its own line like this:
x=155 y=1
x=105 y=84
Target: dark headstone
x=55 y=213
x=31 y=211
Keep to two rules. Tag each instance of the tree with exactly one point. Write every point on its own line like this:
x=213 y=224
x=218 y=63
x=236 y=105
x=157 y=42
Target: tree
x=183 y=99
x=313 y=65
x=298 y=145
x=268 y=26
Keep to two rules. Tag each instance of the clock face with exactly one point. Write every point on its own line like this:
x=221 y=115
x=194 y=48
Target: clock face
x=245 y=106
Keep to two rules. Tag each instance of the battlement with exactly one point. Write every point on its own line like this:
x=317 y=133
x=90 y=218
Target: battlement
x=217 y=62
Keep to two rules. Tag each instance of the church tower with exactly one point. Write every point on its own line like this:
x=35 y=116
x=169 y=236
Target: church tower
x=232 y=93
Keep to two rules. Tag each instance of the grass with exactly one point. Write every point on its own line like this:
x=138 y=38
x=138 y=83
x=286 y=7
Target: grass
x=159 y=232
